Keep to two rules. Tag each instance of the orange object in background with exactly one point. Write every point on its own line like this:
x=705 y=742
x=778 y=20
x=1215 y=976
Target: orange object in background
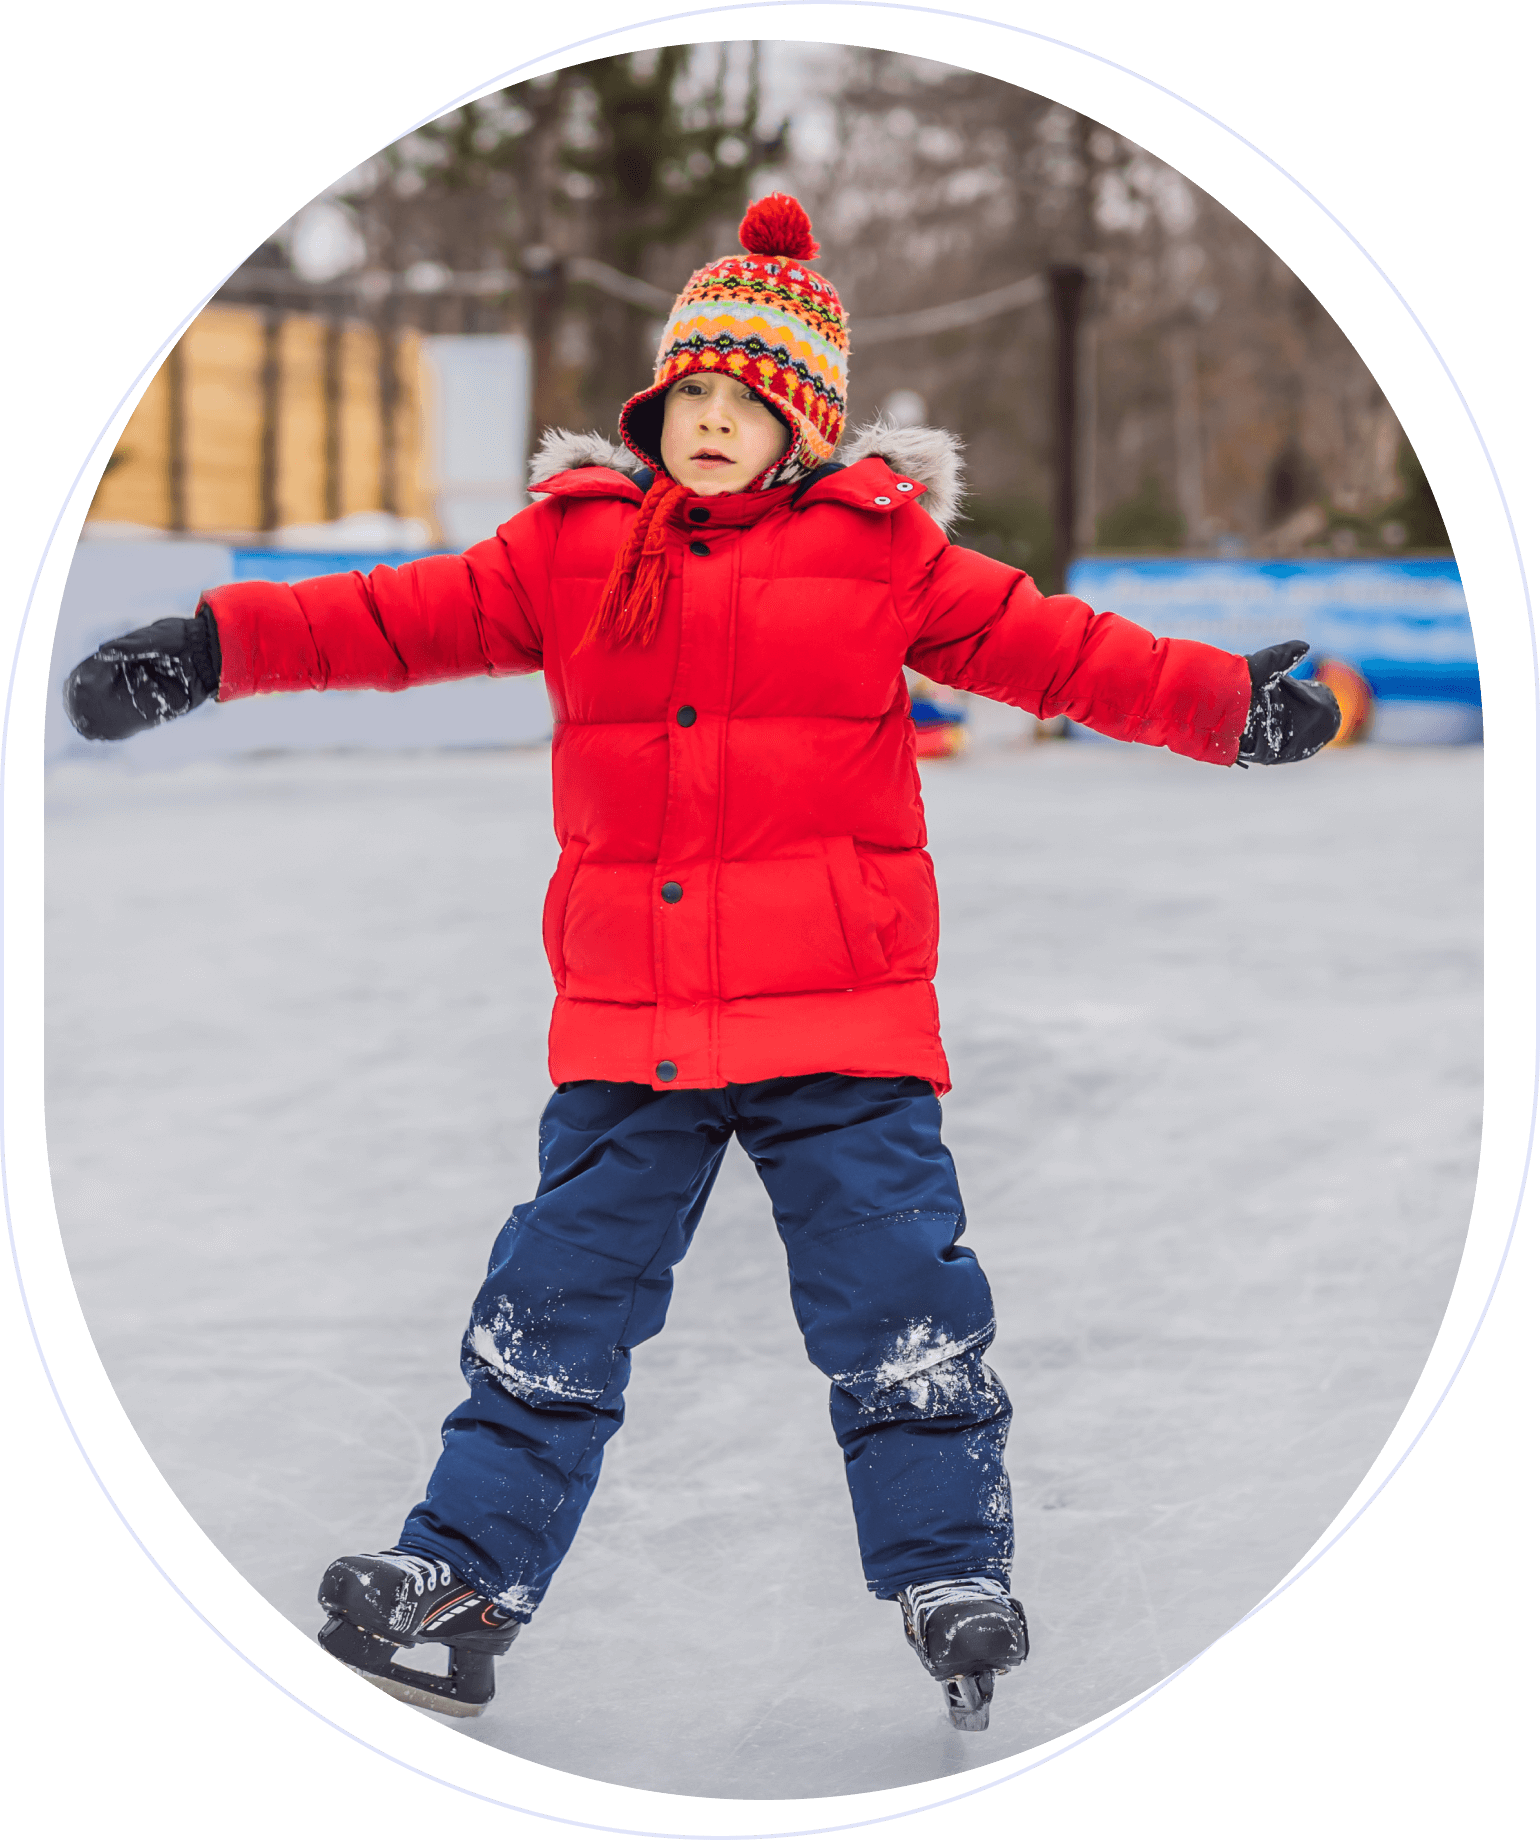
x=1354 y=698
x=940 y=742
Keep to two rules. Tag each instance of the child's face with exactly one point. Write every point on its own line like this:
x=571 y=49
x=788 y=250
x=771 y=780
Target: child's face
x=718 y=436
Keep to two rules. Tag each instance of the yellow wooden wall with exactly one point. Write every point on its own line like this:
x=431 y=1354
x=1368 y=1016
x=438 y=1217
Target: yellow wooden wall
x=222 y=357
x=136 y=487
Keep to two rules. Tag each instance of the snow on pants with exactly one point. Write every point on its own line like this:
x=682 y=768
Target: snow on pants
x=892 y=1308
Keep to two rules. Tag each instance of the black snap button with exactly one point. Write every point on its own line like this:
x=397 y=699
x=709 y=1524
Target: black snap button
x=672 y=892
x=699 y=516
x=686 y=717
x=667 y=1070
x=699 y=549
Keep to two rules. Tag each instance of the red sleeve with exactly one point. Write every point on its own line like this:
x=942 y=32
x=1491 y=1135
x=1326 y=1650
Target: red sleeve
x=981 y=626
x=476 y=615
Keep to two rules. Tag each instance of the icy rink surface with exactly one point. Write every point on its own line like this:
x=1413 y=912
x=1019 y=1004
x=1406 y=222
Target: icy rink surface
x=1215 y=1037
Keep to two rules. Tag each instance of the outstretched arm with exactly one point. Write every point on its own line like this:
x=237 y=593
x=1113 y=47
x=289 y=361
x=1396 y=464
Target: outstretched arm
x=479 y=614
x=979 y=625
x=441 y=618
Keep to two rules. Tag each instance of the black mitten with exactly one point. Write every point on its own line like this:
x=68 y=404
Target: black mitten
x=144 y=678
x=1289 y=720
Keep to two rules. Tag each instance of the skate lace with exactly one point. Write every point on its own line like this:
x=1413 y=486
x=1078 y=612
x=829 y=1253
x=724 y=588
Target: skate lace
x=924 y=1599
x=425 y=1574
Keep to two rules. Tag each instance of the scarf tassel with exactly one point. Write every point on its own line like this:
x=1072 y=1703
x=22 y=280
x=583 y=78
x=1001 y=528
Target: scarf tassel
x=632 y=603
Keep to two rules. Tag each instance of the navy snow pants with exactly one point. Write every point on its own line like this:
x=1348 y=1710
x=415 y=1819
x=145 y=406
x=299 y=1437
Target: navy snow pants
x=892 y=1308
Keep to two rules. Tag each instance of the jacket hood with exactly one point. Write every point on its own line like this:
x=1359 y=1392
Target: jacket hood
x=931 y=457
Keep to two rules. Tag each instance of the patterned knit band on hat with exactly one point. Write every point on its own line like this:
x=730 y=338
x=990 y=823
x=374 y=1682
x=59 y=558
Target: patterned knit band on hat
x=766 y=317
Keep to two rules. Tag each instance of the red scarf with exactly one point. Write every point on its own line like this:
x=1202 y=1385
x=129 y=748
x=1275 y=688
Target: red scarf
x=632 y=603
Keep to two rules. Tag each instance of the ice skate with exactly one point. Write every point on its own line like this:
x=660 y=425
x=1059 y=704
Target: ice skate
x=379 y=1602
x=965 y=1631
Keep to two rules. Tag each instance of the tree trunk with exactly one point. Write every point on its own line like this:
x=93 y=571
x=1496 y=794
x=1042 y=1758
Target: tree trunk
x=1067 y=281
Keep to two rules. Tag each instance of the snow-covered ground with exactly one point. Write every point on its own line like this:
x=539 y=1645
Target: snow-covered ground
x=1216 y=1046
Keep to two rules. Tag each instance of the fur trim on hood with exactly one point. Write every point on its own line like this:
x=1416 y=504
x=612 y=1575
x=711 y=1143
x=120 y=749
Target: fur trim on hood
x=562 y=451
x=930 y=456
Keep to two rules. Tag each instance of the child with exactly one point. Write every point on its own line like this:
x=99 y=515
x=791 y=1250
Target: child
x=742 y=930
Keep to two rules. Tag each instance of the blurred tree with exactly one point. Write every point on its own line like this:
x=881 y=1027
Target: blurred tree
x=1205 y=360
x=1147 y=521
x=934 y=184
x=631 y=160
x=1416 y=511
x=660 y=153
x=1410 y=521
x=1293 y=481
x=1206 y=365
x=467 y=192
x=1018 y=531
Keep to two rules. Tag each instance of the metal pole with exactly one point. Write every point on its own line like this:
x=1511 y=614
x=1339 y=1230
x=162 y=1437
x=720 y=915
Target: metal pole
x=1067 y=285
x=1089 y=387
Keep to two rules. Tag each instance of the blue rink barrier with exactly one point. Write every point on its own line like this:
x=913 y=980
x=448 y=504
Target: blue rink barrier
x=1402 y=624
x=301 y=564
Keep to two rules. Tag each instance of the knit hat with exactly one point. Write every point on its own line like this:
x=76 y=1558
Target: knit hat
x=766 y=317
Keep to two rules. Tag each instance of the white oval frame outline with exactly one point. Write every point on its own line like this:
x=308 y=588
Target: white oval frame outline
x=1115 y=1717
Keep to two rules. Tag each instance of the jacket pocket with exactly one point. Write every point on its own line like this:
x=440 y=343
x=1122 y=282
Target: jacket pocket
x=857 y=909
x=901 y=890
x=787 y=924
x=607 y=942
x=553 y=917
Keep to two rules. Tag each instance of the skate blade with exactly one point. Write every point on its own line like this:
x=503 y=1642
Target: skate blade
x=970 y=1721
x=420 y=1696
x=967 y=1701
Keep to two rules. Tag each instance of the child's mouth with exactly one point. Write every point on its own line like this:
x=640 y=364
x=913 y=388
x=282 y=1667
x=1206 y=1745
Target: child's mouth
x=708 y=456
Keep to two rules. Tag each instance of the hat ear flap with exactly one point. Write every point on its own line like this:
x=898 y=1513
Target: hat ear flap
x=642 y=427
x=794 y=434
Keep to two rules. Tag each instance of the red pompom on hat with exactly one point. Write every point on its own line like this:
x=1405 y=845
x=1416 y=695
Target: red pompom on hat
x=776 y=225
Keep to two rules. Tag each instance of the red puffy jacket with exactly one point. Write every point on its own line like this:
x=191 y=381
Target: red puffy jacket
x=743 y=891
